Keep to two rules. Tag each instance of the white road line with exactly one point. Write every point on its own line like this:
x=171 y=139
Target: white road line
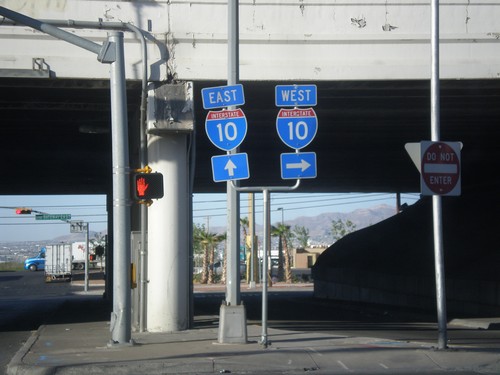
x=384 y=366
x=343 y=365
x=315 y=351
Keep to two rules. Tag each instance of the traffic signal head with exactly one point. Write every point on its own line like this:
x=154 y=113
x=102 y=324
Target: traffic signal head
x=23 y=211
x=148 y=186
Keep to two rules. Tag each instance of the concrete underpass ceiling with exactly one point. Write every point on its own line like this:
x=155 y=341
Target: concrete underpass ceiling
x=54 y=134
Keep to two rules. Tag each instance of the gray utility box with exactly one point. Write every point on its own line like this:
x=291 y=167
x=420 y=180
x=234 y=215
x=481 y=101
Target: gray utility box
x=58 y=263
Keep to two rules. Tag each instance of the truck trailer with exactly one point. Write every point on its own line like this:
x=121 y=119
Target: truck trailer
x=58 y=263
x=77 y=258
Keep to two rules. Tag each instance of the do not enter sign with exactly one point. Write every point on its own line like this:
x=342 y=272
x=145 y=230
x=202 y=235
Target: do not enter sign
x=440 y=168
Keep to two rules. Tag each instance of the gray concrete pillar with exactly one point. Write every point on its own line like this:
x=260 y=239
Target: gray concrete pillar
x=168 y=231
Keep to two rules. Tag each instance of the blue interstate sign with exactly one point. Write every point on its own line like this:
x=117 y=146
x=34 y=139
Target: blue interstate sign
x=298 y=165
x=230 y=167
x=226 y=129
x=222 y=96
x=296 y=95
x=297 y=127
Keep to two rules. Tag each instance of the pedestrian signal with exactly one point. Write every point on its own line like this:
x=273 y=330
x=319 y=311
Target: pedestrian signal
x=148 y=186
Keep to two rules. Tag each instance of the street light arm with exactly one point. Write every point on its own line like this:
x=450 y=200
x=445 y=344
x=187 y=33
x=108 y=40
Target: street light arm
x=51 y=30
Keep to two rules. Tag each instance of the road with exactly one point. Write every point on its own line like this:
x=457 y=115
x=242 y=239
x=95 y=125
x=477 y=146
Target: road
x=26 y=302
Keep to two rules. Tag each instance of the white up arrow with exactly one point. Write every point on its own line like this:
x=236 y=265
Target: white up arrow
x=303 y=165
x=230 y=167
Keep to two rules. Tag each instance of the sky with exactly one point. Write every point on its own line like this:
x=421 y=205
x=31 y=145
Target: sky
x=208 y=210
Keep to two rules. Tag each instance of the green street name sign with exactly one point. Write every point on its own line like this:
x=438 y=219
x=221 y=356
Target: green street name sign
x=53 y=217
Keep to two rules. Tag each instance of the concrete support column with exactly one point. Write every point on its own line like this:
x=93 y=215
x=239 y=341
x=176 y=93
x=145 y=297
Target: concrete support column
x=168 y=231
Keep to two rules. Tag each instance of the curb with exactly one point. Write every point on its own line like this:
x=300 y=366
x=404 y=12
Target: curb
x=16 y=365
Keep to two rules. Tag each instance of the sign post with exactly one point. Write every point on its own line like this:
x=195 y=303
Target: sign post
x=83 y=227
x=440 y=175
x=226 y=129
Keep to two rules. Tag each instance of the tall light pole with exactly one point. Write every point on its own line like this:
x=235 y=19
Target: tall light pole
x=280 y=245
x=282 y=214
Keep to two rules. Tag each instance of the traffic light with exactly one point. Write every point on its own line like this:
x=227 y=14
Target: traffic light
x=148 y=186
x=23 y=211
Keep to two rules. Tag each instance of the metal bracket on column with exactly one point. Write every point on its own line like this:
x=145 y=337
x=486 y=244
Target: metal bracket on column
x=107 y=54
x=170 y=109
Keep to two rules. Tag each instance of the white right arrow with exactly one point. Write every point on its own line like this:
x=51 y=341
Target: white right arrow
x=303 y=165
x=230 y=167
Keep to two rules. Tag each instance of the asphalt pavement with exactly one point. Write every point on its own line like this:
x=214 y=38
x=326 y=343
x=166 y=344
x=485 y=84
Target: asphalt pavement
x=76 y=346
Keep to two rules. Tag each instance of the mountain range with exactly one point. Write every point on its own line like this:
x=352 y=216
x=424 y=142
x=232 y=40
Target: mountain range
x=320 y=226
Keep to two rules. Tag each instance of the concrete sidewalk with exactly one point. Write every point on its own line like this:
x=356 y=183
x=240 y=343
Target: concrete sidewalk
x=82 y=348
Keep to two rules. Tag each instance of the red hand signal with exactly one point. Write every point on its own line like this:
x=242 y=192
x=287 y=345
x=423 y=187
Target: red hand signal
x=142 y=186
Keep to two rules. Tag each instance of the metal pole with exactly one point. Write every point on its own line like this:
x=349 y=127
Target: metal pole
x=121 y=322
x=435 y=105
x=143 y=269
x=251 y=197
x=436 y=199
x=233 y=42
x=233 y=205
x=51 y=30
x=439 y=270
x=267 y=243
x=144 y=209
x=86 y=287
x=112 y=52
x=266 y=249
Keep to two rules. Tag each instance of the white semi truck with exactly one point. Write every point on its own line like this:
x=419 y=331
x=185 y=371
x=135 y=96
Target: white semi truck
x=78 y=255
x=77 y=251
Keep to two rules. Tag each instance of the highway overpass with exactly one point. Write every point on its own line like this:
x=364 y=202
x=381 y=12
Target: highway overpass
x=369 y=59
x=373 y=87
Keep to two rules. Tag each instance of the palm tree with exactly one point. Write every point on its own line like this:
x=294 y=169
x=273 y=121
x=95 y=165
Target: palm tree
x=276 y=232
x=208 y=242
x=283 y=232
x=198 y=249
x=224 y=262
x=244 y=223
x=302 y=235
